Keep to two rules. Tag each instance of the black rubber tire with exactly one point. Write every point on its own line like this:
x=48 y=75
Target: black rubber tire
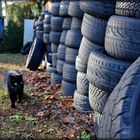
x=56 y=23
x=67 y=23
x=47 y=18
x=69 y=73
x=82 y=83
x=101 y=9
x=127 y=8
x=55 y=37
x=40 y=25
x=48 y=57
x=54 y=48
x=26 y=48
x=67 y=88
x=94 y=29
x=96 y=121
x=104 y=71
x=47 y=28
x=123 y=38
x=54 y=10
x=71 y=55
x=81 y=103
x=63 y=37
x=74 y=9
x=97 y=98
x=51 y=69
x=76 y=23
x=56 y=78
x=73 y=38
x=39 y=34
x=121 y=116
x=80 y=65
x=59 y=66
x=61 y=52
x=54 y=59
x=64 y=5
x=85 y=49
x=36 y=54
x=46 y=38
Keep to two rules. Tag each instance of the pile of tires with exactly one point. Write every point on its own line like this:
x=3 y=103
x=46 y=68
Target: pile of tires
x=55 y=34
x=72 y=43
x=46 y=34
x=120 y=118
x=38 y=47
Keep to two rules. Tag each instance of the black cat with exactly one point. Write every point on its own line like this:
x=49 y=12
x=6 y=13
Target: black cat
x=13 y=83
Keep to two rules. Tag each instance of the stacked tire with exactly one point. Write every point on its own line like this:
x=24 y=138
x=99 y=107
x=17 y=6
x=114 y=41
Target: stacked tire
x=120 y=118
x=38 y=47
x=103 y=71
x=55 y=34
x=72 y=43
x=46 y=34
x=63 y=12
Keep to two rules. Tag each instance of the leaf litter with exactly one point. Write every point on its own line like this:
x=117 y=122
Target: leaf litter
x=44 y=113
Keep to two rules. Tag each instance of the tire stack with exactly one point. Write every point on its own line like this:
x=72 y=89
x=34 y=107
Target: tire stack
x=72 y=43
x=46 y=34
x=55 y=34
x=120 y=116
x=63 y=12
x=96 y=14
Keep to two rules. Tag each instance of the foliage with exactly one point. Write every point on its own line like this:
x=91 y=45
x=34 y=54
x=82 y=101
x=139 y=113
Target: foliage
x=13 y=33
x=85 y=135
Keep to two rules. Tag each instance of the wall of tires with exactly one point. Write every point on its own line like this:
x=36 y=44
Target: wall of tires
x=89 y=46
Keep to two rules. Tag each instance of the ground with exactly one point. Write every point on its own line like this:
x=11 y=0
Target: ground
x=44 y=113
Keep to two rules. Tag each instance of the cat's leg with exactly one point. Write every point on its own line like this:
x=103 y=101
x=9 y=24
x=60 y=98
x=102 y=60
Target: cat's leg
x=13 y=100
x=20 y=96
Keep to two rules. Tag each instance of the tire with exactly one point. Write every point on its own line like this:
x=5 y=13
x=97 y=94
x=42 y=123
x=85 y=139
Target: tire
x=67 y=88
x=74 y=9
x=51 y=69
x=76 y=24
x=64 y=5
x=55 y=8
x=54 y=48
x=97 y=98
x=59 y=66
x=46 y=38
x=122 y=38
x=48 y=58
x=129 y=8
x=103 y=71
x=94 y=29
x=101 y=9
x=73 y=38
x=70 y=55
x=69 y=73
x=36 y=54
x=80 y=66
x=26 y=48
x=56 y=24
x=86 y=48
x=81 y=103
x=120 y=118
x=82 y=84
x=67 y=23
x=40 y=25
x=47 y=18
x=56 y=78
x=96 y=121
x=63 y=37
x=61 y=52
x=39 y=34
x=55 y=37
x=47 y=28
x=54 y=59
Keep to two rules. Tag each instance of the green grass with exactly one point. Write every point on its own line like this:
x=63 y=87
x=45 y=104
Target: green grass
x=11 y=58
